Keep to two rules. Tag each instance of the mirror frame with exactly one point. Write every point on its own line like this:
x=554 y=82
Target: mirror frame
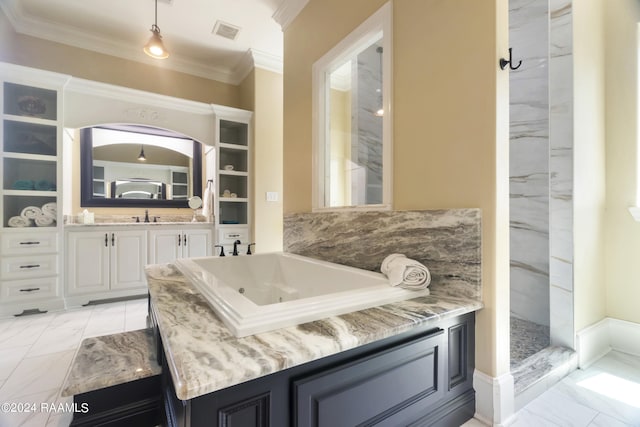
x=380 y=23
x=86 y=180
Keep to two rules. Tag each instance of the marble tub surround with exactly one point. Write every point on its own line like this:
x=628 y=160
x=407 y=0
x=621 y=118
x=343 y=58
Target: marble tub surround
x=446 y=241
x=111 y=360
x=130 y=219
x=203 y=355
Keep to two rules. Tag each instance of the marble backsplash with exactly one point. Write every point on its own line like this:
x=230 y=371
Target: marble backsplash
x=447 y=241
x=119 y=219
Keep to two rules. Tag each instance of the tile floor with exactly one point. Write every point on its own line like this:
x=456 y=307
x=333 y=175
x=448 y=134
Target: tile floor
x=36 y=352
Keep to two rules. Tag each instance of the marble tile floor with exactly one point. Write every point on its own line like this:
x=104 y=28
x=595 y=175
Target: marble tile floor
x=36 y=352
x=606 y=394
x=527 y=338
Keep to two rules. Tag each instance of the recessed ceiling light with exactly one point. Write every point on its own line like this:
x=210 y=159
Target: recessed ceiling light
x=226 y=30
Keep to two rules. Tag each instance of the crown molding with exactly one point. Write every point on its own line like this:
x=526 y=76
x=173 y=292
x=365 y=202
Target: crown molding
x=253 y=58
x=287 y=12
x=47 y=30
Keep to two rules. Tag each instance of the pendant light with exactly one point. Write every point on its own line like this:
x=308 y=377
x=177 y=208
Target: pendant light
x=154 y=47
x=141 y=156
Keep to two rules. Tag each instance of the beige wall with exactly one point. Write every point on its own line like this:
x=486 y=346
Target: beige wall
x=589 y=162
x=450 y=124
x=46 y=55
x=261 y=92
x=623 y=233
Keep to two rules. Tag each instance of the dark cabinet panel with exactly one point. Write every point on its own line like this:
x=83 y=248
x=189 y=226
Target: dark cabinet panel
x=250 y=412
x=419 y=378
x=374 y=389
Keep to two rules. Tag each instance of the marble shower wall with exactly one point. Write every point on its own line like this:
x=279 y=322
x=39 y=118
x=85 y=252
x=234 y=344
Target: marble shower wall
x=542 y=125
x=561 y=168
x=366 y=148
x=529 y=160
x=446 y=241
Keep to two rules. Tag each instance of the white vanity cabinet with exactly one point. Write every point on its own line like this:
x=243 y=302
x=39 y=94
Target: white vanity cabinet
x=104 y=264
x=167 y=245
x=29 y=270
x=30 y=189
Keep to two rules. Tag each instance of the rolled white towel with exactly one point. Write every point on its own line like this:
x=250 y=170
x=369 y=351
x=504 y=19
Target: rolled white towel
x=19 y=222
x=43 y=220
x=406 y=273
x=50 y=209
x=31 y=212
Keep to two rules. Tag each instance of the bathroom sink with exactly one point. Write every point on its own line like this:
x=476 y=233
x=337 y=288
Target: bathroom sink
x=263 y=292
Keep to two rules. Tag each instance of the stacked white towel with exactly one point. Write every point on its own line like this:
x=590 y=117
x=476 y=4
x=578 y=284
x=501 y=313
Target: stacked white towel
x=31 y=212
x=19 y=222
x=405 y=272
x=30 y=215
x=50 y=209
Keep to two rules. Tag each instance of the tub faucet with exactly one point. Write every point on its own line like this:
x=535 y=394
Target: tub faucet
x=235 y=247
x=249 y=248
x=146 y=215
x=221 y=250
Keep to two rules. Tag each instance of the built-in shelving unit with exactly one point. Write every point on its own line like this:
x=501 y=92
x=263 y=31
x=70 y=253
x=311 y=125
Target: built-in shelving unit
x=233 y=186
x=30 y=146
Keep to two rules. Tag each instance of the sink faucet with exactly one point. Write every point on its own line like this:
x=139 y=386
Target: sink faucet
x=146 y=215
x=235 y=247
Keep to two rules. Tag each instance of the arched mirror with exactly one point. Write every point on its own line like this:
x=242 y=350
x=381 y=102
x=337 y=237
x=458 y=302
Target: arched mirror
x=138 y=166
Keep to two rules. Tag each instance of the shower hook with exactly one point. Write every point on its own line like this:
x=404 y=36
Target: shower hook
x=504 y=62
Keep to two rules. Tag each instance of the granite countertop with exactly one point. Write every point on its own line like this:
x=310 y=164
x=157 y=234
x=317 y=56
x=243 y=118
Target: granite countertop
x=204 y=356
x=110 y=360
x=140 y=224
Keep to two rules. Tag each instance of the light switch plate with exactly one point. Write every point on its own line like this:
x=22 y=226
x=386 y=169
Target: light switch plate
x=272 y=196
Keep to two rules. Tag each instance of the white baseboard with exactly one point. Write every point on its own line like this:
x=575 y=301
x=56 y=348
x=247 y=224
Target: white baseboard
x=494 y=398
x=608 y=334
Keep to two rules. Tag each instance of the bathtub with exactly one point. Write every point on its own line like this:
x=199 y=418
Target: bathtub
x=263 y=292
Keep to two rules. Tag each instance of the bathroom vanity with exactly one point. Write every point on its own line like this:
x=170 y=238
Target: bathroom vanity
x=106 y=260
x=404 y=363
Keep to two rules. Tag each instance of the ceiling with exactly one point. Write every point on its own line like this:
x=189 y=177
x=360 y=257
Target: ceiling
x=122 y=27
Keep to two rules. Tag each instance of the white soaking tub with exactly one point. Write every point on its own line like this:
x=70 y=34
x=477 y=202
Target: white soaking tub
x=263 y=292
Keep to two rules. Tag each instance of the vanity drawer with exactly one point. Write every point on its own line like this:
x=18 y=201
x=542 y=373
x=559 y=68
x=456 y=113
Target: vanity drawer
x=22 y=290
x=29 y=243
x=23 y=267
x=227 y=236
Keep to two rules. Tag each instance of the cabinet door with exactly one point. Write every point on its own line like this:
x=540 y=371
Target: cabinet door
x=392 y=388
x=196 y=243
x=165 y=246
x=88 y=262
x=128 y=258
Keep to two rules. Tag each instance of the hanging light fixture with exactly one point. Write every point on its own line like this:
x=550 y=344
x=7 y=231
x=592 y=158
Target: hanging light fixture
x=141 y=156
x=380 y=111
x=154 y=47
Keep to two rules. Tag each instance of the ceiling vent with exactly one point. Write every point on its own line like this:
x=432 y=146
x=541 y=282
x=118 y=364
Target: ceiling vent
x=225 y=30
